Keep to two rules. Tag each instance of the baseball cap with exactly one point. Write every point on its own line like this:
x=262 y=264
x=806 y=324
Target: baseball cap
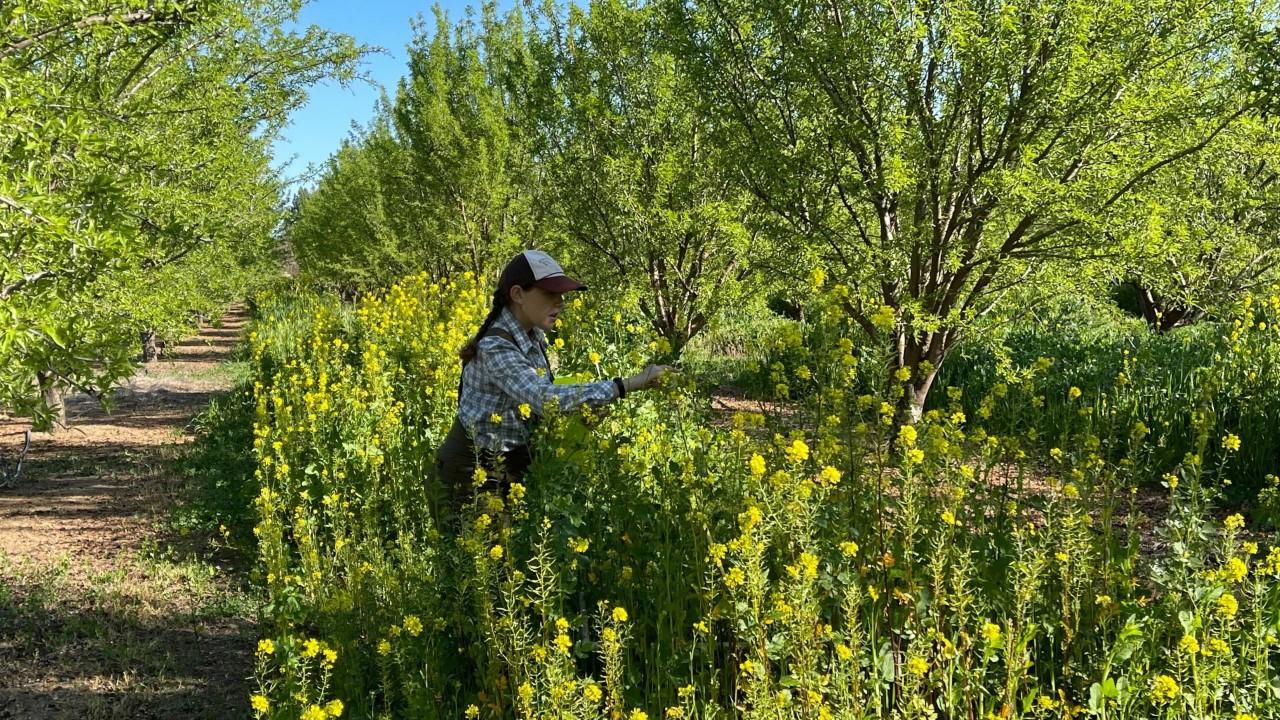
x=535 y=267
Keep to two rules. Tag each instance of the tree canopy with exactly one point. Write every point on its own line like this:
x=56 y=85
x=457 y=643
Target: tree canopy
x=136 y=153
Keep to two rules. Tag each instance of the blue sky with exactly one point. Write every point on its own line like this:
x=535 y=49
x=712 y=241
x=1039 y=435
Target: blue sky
x=316 y=129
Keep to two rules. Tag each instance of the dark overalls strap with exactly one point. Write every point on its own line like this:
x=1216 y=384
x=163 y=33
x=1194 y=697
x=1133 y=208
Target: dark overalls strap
x=499 y=332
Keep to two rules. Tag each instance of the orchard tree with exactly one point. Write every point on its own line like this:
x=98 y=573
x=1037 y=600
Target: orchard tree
x=1214 y=235
x=345 y=232
x=939 y=154
x=136 y=138
x=633 y=180
x=465 y=200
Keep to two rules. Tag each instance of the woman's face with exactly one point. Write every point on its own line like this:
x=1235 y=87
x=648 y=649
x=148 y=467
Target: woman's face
x=536 y=307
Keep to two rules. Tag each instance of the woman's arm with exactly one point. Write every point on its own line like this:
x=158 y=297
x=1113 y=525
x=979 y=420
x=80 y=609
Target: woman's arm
x=516 y=375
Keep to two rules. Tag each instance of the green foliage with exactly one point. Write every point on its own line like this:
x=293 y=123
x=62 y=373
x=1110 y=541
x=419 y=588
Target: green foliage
x=442 y=178
x=658 y=555
x=576 y=132
x=1213 y=380
x=219 y=465
x=637 y=193
x=137 y=185
x=937 y=155
x=1210 y=232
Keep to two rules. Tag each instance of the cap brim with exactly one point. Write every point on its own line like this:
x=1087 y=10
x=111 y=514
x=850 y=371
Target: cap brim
x=560 y=284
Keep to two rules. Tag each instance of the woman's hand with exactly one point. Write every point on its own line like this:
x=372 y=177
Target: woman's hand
x=646 y=378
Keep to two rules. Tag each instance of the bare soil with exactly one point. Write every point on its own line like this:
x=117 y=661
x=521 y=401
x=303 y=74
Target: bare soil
x=100 y=617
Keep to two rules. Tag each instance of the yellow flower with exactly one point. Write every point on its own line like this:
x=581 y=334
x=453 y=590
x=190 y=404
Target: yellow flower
x=266 y=646
x=592 y=693
x=315 y=712
x=620 y=614
x=495 y=552
x=907 y=436
x=1227 y=605
x=1235 y=570
x=384 y=647
x=1164 y=689
x=1070 y=491
x=472 y=711
x=334 y=708
x=1074 y=392
x=797 y=451
x=330 y=656
x=884 y=318
x=809 y=565
x=917 y=666
x=1216 y=646
x=1189 y=645
x=1046 y=703
x=756 y=464
x=638 y=715
x=563 y=643
x=412 y=625
x=311 y=648
x=496 y=419
x=830 y=475
x=991 y=633
x=915 y=456
x=579 y=545
x=902 y=374
x=949 y=518
x=260 y=704
x=525 y=411
x=594 y=357
x=1231 y=443
x=675 y=712
x=559 y=343
x=1234 y=522
x=735 y=578
x=848 y=548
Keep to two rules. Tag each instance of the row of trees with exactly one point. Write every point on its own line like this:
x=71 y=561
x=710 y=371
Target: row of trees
x=951 y=162
x=135 y=185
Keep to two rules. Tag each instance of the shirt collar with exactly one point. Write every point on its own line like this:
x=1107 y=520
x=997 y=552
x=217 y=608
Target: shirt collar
x=507 y=321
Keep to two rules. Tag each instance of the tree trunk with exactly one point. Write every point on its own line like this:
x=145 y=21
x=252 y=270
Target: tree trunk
x=51 y=395
x=149 y=350
x=1162 y=315
x=917 y=391
x=912 y=354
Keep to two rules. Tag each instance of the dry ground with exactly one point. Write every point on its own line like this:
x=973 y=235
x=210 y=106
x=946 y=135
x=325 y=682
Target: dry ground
x=103 y=613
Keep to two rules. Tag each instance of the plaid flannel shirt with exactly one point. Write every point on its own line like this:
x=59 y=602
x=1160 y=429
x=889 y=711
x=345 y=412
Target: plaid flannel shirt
x=504 y=375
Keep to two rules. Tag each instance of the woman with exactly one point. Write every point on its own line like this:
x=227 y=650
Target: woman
x=507 y=381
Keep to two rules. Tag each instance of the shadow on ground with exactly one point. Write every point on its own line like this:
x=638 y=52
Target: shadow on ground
x=108 y=654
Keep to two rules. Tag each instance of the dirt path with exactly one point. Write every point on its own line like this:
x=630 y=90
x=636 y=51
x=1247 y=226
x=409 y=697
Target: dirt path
x=99 y=616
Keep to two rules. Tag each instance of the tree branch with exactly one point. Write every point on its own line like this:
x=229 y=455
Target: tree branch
x=22 y=282
x=135 y=17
